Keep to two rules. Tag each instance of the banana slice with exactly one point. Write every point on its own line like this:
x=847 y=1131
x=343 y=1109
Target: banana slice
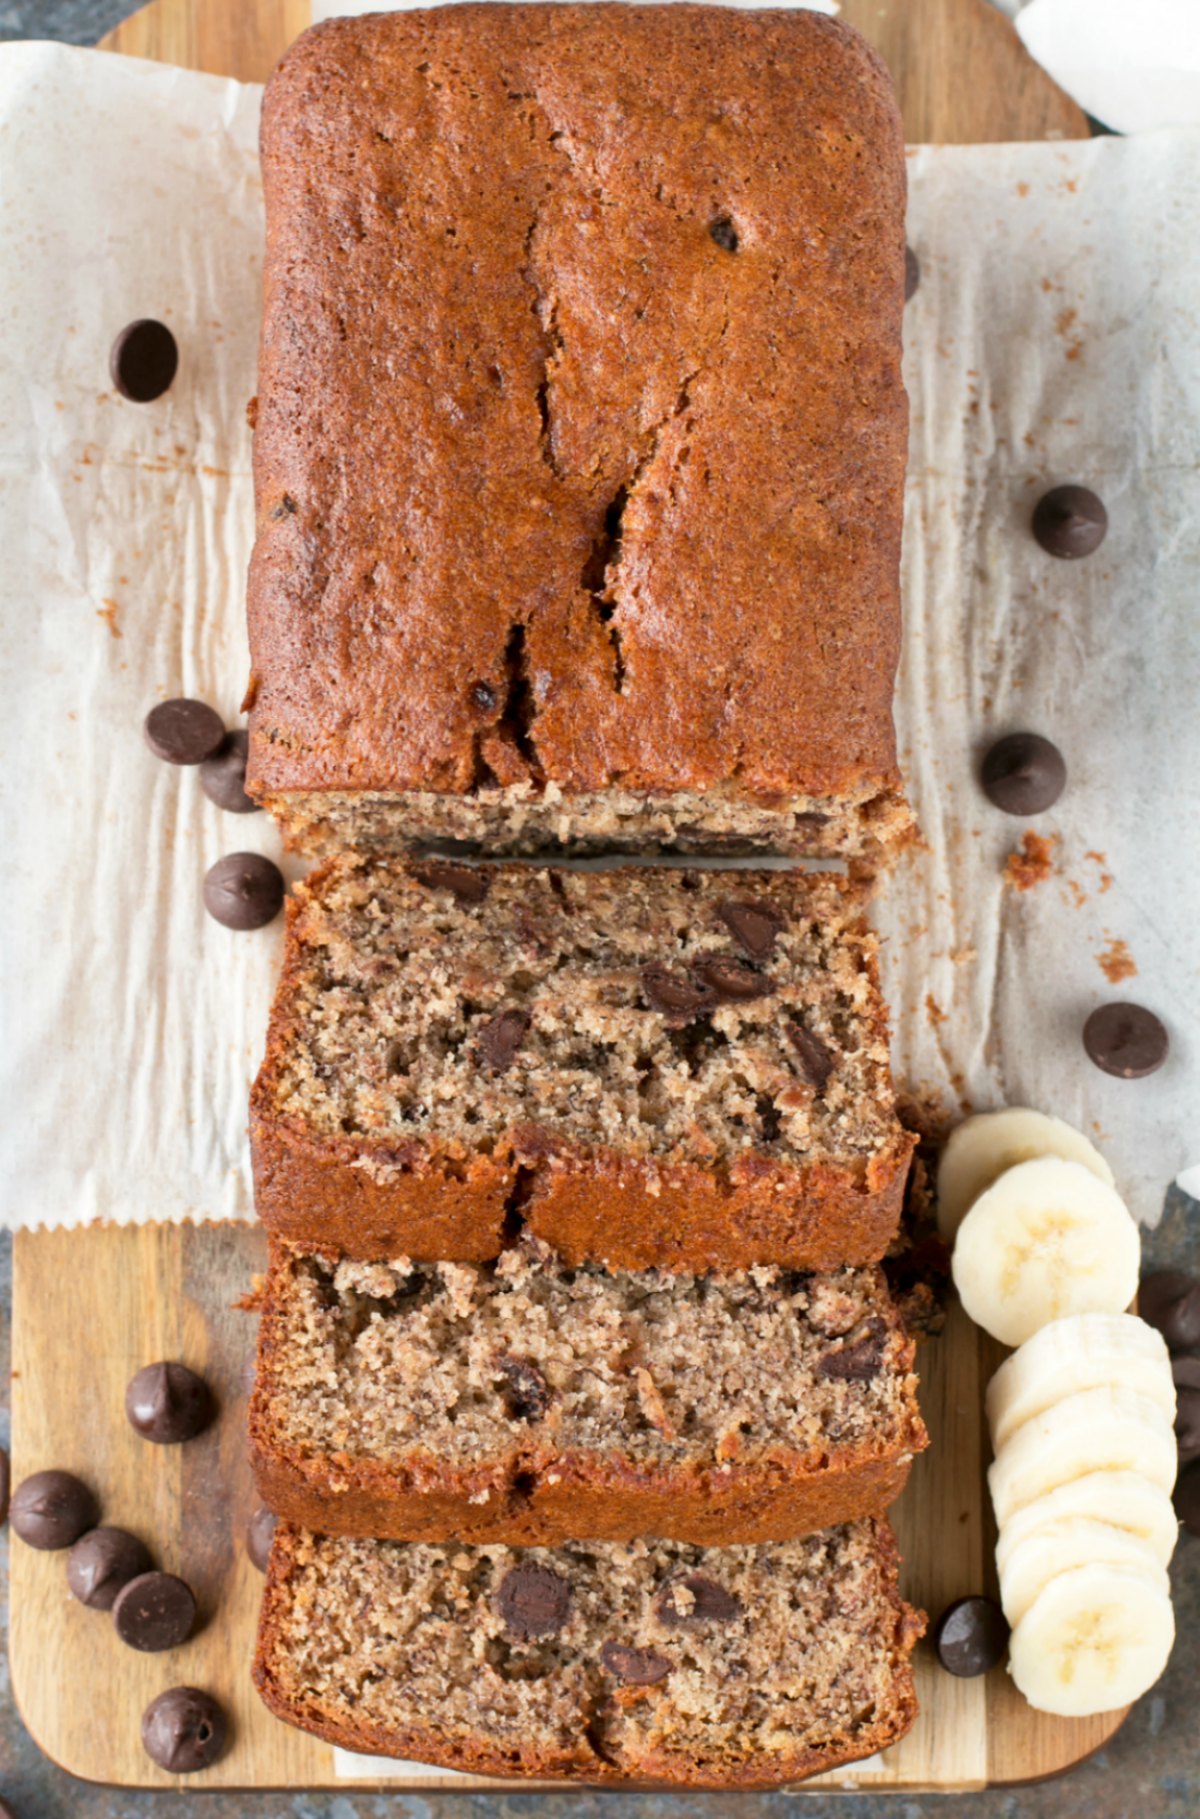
x=1047 y=1239
x=1123 y=1500
x=1082 y=1352
x=983 y=1147
x=1101 y=1430
x=1094 y=1639
x=1058 y=1547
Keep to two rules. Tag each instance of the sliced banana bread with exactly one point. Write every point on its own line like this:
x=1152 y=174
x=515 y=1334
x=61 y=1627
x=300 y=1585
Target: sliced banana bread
x=528 y=1403
x=649 y=1067
x=598 y=1661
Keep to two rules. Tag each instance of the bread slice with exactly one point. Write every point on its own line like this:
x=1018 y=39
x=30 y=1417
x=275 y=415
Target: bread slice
x=736 y=1667
x=528 y=1403
x=649 y=1067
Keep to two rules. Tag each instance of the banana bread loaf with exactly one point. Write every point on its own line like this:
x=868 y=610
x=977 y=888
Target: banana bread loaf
x=648 y=1067
x=738 y=1667
x=580 y=433
x=525 y=1403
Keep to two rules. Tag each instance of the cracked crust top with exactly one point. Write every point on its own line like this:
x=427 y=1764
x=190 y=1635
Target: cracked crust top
x=581 y=432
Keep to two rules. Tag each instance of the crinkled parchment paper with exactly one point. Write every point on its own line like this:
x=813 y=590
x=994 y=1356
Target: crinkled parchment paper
x=1055 y=336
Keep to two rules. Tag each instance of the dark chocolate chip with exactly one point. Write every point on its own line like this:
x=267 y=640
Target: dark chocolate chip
x=243 y=891
x=182 y=731
x=286 y=508
x=527 y=1395
x=501 y=1037
x=154 y=1611
x=223 y=775
x=731 y=979
x=724 y=233
x=469 y=883
x=1070 y=521
x=168 y=1403
x=101 y=1562
x=183 y=1730
x=533 y=1600
x=1023 y=774
x=675 y=995
x=483 y=696
x=635 y=1666
x=143 y=360
x=912 y=273
x=860 y=1358
x=5 y=1482
x=695 y=1598
x=1186 y=1497
x=816 y=1061
x=260 y=1532
x=1185 y=1372
x=1170 y=1301
x=971 y=1637
x=753 y=926
x=1126 y=1040
x=1187 y=1424
x=52 y=1509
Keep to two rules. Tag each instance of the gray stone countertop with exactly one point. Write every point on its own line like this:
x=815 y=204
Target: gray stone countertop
x=1150 y=1771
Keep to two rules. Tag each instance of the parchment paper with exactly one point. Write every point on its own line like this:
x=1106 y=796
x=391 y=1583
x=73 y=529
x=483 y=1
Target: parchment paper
x=1054 y=336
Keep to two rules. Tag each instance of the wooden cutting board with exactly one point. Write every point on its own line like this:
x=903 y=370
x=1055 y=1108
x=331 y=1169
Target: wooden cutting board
x=91 y=1307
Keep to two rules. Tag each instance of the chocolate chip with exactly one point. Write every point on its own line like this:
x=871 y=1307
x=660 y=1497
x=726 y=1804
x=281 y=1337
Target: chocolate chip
x=754 y=926
x=154 y=1611
x=168 y=1403
x=635 y=1666
x=183 y=1730
x=1024 y=774
x=1170 y=1301
x=675 y=995
x=912 y=273
x=260 y=1532
x=286 y=508
x=1125 y=1040
x=527 y=1395
x=1070 y=521
x=816 y=1061
x=533 y=1600
x=500 y=1039
x=469 y=883
x=860 y=1358
x=101 y=1562
x=52 y=1509
x=731 y=979
x=5 y=1481
x=724 y=233
x=971 y=1637
x=695 y=1598
x=1187 y=1424
x=182 y=731
x=243 y=891
x=1187 y=1497
x=223 y=775
x=143 y=360
x=483 y=696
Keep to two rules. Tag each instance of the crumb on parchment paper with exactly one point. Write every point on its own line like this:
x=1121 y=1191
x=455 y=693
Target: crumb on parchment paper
x=1031 y=863
x=1116 y=962
x=933 y=1010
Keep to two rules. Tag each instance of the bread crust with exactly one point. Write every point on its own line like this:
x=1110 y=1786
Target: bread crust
x=578 y=1761
x=596 y=502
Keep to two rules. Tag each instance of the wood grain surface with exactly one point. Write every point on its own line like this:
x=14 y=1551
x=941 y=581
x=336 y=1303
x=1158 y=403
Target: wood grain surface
x=91 y=1307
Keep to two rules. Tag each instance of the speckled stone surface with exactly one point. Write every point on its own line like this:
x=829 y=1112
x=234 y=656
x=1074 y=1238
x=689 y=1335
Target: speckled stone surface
x=1150 y=1771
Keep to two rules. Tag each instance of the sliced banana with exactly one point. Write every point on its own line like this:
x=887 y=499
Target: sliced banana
x=1123 y=1500
x=1093 y=1640
x=1081 y=1352
x=1100 y=1430
x=1047 y=1239
x=982 y=1148
x=1070 y=1542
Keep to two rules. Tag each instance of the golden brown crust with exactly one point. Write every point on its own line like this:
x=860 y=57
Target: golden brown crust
x=511 y=527
x=577 y=1760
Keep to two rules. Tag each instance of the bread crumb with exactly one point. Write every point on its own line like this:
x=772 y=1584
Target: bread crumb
x=1116 y=962
x=1031 y=863
x=108 y=612
x=933 y=1010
